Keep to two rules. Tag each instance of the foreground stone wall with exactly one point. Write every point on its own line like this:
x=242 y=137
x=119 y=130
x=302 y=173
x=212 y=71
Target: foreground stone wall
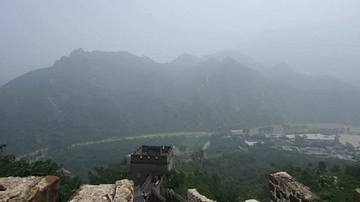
x=283 y=187
x=194 y=196
x=155 y=196
x=39 y=189
x=121 y=191
x=171 y=196
x=357 y=195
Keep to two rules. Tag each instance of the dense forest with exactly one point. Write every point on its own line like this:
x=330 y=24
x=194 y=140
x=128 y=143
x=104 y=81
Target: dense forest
x=244 y=174
x=228 y=174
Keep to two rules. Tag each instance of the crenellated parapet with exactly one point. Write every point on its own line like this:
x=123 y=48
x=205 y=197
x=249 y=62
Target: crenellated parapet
x=152 y=155
x=154 y=160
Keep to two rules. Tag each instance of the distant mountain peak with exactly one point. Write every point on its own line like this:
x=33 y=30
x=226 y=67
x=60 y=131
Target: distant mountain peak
x=77 y=52
x=240 y=57
x=230 y=60
x=185 y=59
x=187 y=55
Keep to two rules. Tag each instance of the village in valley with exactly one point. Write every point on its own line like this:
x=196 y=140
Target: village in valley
x=320 y=140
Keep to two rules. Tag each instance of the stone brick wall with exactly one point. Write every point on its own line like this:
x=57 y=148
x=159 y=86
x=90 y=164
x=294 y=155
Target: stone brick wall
x=124 y=191
x=156 y=160
x=121 y=191
x=283 y=187
x=146 y=183
x=155 y=196
x=171 y=196
x=194 y=196
x=39 y=189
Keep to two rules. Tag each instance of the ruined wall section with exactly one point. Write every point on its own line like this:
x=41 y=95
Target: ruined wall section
x=284 y=187
x=30 y=188
x=194 y=196
x=121 y=191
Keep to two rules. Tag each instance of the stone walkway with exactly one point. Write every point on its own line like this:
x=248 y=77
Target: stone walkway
x=138 y=197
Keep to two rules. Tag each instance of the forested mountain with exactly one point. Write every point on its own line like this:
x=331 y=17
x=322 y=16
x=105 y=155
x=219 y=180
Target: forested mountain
x=92 y=95
x=280 y=72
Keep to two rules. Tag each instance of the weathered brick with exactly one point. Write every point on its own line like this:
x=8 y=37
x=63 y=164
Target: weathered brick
x=272 y=187
x=194 y=196
x=47 y=189
x=32 y=188
x=288 y=186
x=274 y=180
x=293 y=198
x=121 y=191
x=278 y=194
x=272 y=198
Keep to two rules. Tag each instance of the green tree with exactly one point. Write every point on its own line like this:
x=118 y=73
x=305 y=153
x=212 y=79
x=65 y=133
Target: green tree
x=335 y=168
x=322 y=166
x=9 y=166
x=182 y=148
x=106 y=175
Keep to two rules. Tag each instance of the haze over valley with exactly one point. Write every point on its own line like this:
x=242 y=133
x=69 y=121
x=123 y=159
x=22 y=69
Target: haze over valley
x=235 y=90
x=93 y=95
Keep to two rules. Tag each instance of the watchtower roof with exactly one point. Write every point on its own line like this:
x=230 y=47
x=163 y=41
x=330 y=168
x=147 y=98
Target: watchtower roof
x=146 y=150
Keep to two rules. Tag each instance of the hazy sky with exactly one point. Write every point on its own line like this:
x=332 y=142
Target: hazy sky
x=307 y=34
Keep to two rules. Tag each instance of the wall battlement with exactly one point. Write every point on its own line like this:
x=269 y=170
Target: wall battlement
x=145 y=159
x=154 y=160
x=152 y=155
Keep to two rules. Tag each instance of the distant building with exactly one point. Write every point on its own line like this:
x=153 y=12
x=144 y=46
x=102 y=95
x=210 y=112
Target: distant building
x=154 y=160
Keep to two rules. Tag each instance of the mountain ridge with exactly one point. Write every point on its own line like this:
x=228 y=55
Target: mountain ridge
x=93 y=95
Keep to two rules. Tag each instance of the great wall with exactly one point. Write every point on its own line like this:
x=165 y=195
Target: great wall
x=283 y=188
x=148 y=166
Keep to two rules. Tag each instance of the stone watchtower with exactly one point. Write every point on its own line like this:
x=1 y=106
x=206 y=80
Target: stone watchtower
x=154 y=160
